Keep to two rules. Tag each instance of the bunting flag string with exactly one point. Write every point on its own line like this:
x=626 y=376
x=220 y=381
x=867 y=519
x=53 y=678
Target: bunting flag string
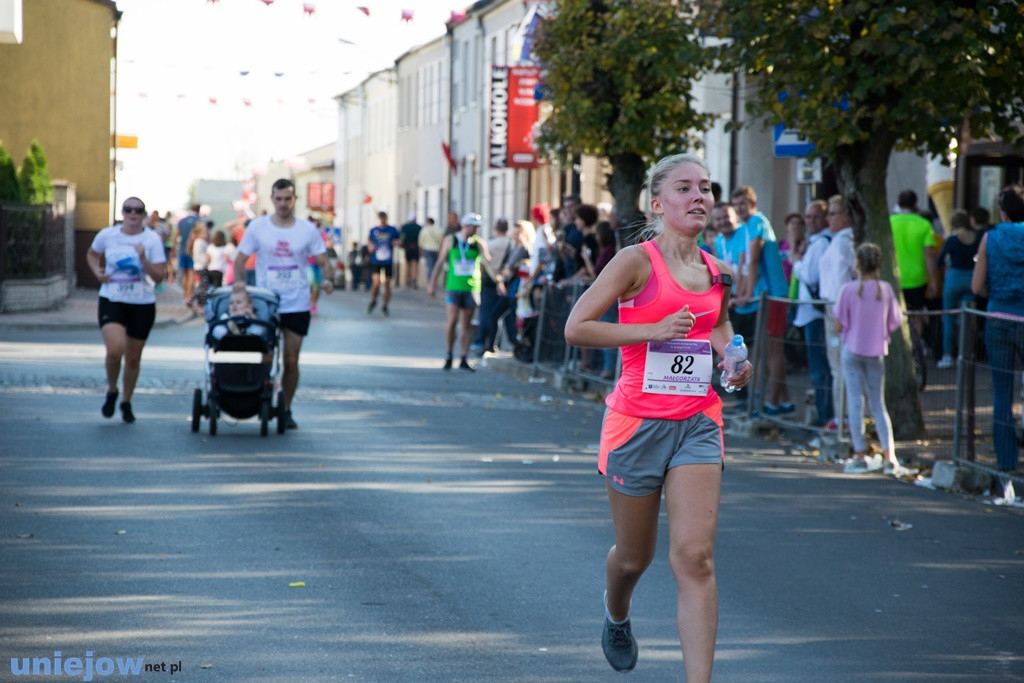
x=407 y=15
x=306 y=101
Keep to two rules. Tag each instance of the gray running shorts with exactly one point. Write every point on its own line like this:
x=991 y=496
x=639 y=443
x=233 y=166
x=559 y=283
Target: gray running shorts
x=636 y=452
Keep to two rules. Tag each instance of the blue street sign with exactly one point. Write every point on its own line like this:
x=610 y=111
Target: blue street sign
x=789 y=142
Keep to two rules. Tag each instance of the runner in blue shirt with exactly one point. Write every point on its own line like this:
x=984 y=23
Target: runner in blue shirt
x=382 y=242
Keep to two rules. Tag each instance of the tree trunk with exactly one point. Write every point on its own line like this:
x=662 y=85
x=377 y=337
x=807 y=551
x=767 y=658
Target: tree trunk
x=625 y=183
x=862 y=177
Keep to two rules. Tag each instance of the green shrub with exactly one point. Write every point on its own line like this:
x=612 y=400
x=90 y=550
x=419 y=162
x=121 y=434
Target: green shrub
x=36 y=187
x=10 y=188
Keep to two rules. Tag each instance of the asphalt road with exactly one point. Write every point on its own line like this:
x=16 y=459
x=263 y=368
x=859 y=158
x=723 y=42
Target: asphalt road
x=446 y=527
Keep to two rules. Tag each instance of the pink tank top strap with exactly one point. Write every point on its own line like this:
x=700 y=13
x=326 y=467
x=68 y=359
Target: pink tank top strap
x=650 y=291
x=709 y=261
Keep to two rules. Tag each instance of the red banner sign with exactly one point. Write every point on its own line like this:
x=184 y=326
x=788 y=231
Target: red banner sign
x=320 y=196
x=513 y=116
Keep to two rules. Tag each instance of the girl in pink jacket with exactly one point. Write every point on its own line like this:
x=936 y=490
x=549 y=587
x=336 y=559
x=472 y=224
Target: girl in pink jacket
x=867 y=312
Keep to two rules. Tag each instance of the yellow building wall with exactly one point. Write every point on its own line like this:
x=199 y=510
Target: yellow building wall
x=55 y=86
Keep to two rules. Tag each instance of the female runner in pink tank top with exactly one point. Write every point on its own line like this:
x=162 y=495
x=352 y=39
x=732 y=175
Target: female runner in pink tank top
x=662 y=429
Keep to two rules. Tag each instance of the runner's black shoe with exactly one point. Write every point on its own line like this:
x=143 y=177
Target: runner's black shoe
x=289 y=422
x=109 y=404
x=126 y=412
x=464 y=365
x=448 y=362
x=384 y=310
x=619 y=645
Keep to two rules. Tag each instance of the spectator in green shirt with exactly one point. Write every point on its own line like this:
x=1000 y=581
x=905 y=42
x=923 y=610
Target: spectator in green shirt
x=914 y=241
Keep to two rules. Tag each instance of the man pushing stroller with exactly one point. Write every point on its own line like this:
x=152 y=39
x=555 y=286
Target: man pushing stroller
x=283 y=243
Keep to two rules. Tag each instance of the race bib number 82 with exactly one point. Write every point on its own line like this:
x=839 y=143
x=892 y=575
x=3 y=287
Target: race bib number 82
x=680 y=366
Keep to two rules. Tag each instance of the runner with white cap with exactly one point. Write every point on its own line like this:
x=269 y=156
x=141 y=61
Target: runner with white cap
x=464 y=253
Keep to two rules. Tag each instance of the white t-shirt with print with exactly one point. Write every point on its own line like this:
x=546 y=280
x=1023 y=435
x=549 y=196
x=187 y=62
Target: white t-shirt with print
x=281 y=257
x=200 y=259
x=220 y=258
x=128 y=280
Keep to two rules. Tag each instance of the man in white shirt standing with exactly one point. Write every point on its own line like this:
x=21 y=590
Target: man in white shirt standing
x=835 y=270
x=283 y=244
x=810 y=317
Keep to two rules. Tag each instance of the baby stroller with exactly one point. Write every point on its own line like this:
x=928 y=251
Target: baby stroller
x=241 y=389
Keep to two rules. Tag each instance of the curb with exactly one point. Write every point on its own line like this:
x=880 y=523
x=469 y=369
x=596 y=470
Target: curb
x=92 y=325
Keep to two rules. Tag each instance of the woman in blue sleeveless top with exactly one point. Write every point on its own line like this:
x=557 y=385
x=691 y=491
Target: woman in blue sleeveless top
x=999 y=275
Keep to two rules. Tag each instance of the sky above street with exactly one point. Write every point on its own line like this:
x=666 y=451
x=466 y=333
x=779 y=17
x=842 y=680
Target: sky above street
x=218 y=88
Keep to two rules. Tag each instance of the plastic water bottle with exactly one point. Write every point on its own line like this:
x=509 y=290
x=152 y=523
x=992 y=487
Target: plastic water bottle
x=735 y=354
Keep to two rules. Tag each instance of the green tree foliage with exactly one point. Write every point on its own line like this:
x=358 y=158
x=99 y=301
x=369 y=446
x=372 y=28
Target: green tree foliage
x=36 y=186
x=10 y=189
x=619 y=76
x=865 y=77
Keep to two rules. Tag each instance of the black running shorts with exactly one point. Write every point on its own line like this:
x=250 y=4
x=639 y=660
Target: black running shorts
x=296 y=322
x=137 y=319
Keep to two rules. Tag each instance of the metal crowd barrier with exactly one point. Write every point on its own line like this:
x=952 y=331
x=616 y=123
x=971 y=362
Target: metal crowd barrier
x=956 y=402
x=552 y=355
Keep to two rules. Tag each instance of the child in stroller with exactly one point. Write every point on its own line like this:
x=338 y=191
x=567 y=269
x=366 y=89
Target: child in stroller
x=240 y=318
x=244 y=321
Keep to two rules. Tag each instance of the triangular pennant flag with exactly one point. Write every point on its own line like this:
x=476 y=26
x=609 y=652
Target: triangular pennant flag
x=447 y=151
x=364 y=10
x=308 y=8
x=407 y=15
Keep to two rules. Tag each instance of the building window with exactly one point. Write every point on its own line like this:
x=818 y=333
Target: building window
x=465 y=74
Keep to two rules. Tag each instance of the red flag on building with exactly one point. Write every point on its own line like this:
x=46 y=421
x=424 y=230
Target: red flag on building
x=367 y=199
x=407 y=15
x=457 y=17
x=447 y=151
x=364 y=10
x=308 y=8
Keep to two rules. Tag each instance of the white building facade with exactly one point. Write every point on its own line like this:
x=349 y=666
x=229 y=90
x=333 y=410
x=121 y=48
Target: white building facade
x=423 y=117
x=365 y=154
x=389 y=155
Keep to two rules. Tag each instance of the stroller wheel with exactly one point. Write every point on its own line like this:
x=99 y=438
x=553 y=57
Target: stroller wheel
x=197 y=409
x=214 y=413
x=264 y=417
x=281 y=414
